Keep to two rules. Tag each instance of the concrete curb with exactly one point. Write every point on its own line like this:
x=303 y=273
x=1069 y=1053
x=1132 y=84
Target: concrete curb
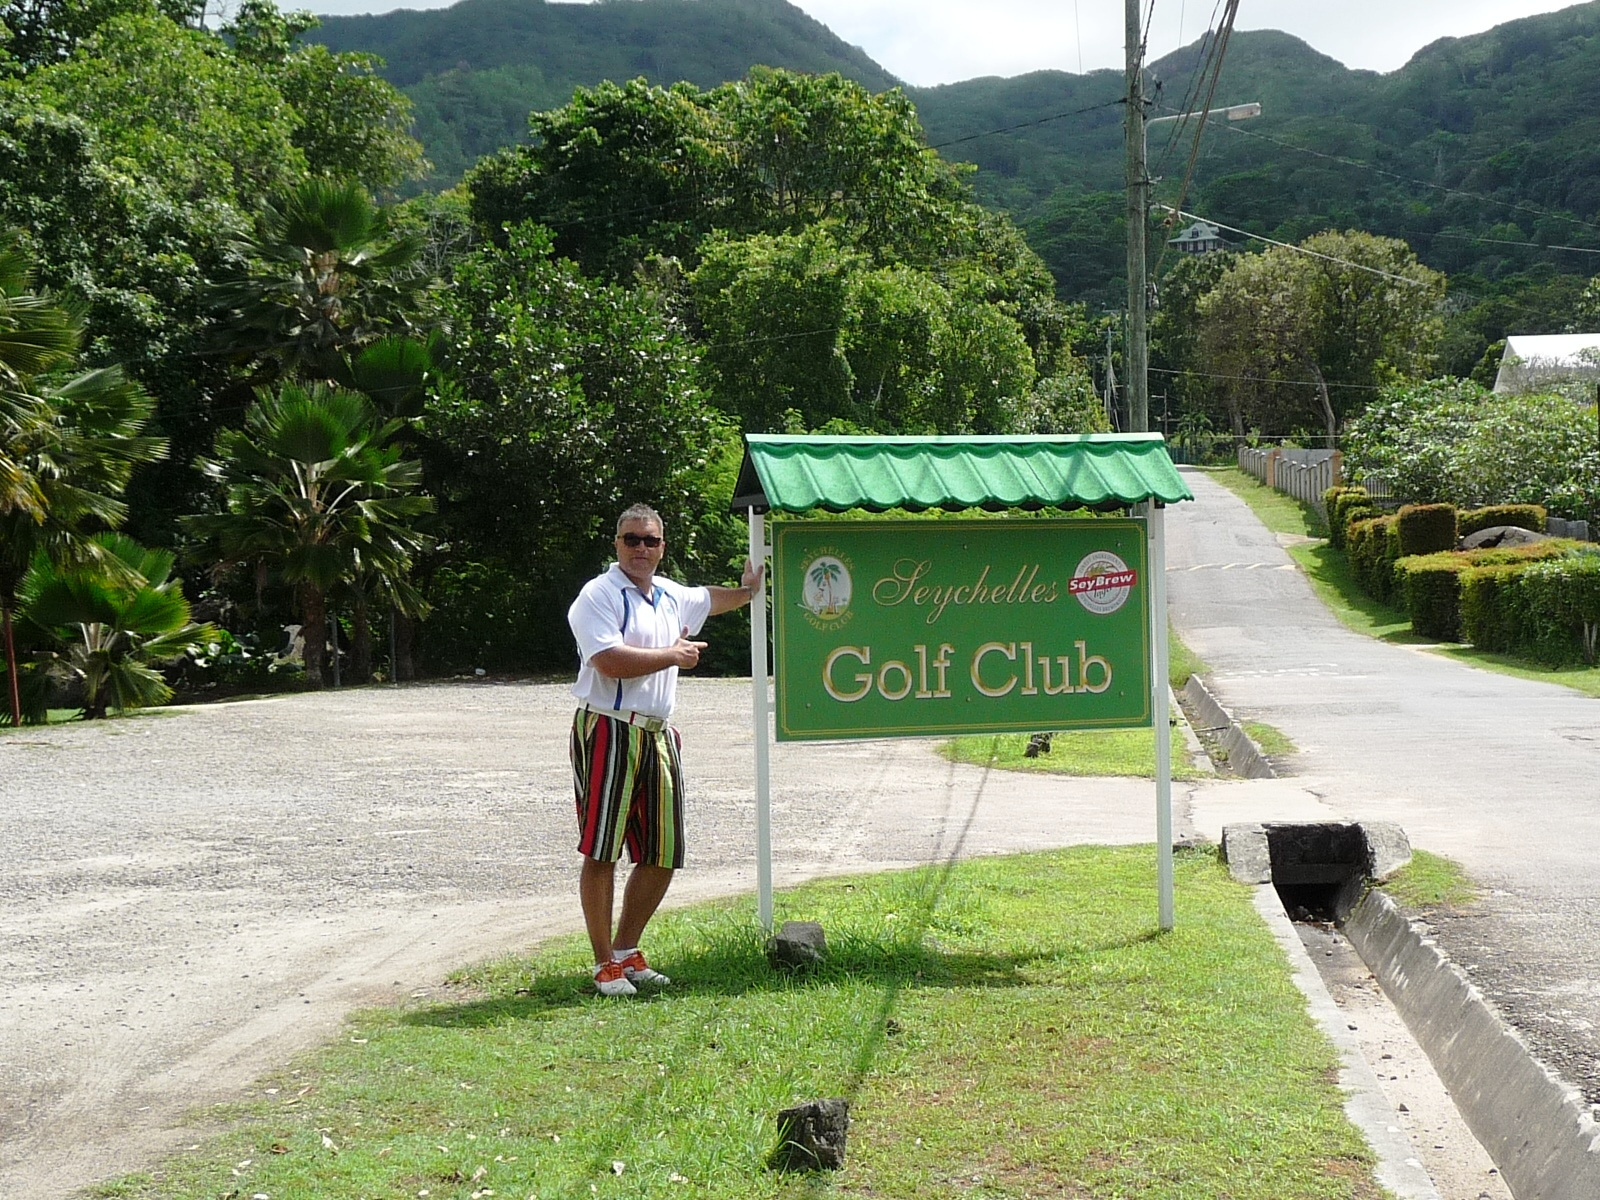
x=1244 y=756
x=1365 y=1104
x=1537 y=1129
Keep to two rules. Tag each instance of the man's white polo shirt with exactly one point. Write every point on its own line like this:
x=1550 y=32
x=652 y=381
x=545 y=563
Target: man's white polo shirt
x=610 y=611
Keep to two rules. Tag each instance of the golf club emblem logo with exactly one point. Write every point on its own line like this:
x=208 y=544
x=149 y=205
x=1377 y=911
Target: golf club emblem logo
x=825 y=589
x=1102 y=583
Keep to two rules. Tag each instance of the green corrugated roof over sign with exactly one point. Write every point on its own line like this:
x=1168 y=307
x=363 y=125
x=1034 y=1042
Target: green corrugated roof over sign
x=796 y=473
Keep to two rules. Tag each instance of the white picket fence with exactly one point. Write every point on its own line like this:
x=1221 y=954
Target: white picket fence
x=1303 y=474
x=1307 y=474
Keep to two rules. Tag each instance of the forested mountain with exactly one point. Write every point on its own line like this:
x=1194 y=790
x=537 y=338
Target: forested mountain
x=1477 y=144
x=1474 y=146
x=475 y=70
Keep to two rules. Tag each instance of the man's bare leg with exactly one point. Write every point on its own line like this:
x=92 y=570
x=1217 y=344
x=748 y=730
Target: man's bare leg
x=595 y=891
x=647 y=886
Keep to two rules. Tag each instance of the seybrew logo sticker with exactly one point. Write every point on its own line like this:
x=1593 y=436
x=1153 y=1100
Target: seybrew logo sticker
x=1102 y=583
x=825 y=588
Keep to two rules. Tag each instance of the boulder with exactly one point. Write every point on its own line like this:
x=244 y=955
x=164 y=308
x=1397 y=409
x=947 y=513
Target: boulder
x=1500 y=535
x=797 y=946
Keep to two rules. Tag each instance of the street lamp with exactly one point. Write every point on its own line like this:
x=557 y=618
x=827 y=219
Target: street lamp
x=1138 y=218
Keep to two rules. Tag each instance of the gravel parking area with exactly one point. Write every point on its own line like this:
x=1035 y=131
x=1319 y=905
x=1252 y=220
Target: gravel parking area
x=191 y=896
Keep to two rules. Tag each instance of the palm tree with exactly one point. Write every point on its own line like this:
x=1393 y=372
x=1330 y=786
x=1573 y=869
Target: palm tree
x=317 y=491
x=322 y=278
x=35 y=337
x=823 y=575
x=112 y=628
x=67 y=448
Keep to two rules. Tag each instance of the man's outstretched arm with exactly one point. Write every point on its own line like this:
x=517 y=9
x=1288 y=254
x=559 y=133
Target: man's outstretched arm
x=724 y=599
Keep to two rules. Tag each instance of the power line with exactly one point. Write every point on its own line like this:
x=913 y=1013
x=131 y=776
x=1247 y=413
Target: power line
x=1077 y=112
x=1469 y=237
x=1224 y=34
x=1197 y=78
x=1359 y=387
x=1343 y=262
x=1451 y=191
x=1077 y=29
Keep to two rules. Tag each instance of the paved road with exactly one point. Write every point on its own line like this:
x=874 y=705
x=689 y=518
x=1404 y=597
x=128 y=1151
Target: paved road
x=1500 y=774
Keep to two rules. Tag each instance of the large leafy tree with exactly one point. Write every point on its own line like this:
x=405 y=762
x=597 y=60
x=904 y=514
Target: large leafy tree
x=68 y=443
x=1312 y=332
x=623 y=172
x=565 y=400
x=801 y=331
x=137 y=145
x=820 y=148
x=317 y=492
x=185 y=118
x=1180 y=373
x=43 y=32
x=111 y=624
x=352 y=124
x=627 y=172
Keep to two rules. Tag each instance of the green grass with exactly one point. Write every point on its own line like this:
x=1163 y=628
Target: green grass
x=1121 y=752
x=1130 y=752
x=1580 y=679
x=1004 y=1027
x=1335 y=584
x=1431 y=881
x=1269 y=739
x=1182 y=662
x=61 y=716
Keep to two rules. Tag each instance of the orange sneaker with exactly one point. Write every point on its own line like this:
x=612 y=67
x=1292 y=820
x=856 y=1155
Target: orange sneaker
x=609 y=980
x=638 y=971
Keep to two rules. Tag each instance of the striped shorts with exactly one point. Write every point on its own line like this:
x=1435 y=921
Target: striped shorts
x=629 y=788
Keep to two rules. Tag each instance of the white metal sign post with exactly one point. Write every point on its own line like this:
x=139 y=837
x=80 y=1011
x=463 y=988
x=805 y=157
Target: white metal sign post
x=758 y=713
x=1161 y=720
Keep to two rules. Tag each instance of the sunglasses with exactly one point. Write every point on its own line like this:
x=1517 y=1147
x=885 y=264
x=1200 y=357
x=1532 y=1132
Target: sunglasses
x=641 y=539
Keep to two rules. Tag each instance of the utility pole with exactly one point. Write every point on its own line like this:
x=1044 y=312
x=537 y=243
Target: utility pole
x=1111 y=385
x=1137 y=363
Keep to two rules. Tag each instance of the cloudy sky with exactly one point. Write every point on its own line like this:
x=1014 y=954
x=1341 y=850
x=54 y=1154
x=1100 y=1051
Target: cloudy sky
x=927 y=42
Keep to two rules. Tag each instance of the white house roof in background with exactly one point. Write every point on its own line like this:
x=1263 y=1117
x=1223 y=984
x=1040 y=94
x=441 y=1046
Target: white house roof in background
x=1538 y=360
x=1553 y=347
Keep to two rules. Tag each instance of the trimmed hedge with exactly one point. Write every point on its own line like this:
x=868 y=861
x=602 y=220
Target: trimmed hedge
x=1430 y=588
x=1430 y=585
x=1523 y=516
x=1544 y=607
x=1562 y=599
x=1489 y=616
x=1374 y=548
x=1426 y=528
x=1342 y=503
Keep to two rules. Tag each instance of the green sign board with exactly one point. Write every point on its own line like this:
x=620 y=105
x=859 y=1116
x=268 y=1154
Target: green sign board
x=912 y=628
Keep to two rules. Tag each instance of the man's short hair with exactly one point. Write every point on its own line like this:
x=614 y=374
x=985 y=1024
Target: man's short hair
x=641 y=512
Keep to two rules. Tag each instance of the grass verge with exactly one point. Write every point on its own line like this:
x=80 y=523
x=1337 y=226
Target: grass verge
x=1269 y=739
x=1002 y=1027
x=1278 y=512
x=1431 y=881
x=64 y=716
x=1580 y=679
x=1120 y=752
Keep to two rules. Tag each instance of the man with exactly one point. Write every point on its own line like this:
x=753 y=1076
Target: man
x=634 y=634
